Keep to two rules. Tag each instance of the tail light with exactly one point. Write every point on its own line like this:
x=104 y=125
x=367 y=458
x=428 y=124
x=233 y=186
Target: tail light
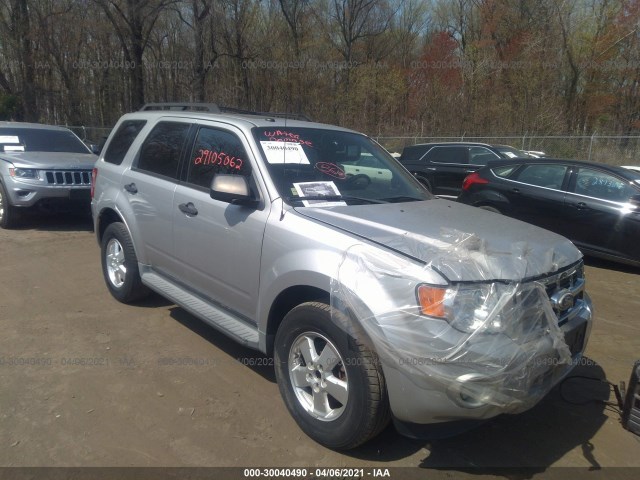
x=94 y=174
x=473 y=179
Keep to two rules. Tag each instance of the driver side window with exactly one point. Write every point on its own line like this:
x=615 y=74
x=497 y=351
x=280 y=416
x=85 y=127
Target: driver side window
x=216 y=151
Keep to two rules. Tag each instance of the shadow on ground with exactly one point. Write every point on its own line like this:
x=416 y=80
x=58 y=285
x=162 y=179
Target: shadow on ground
x=567 y=418
x=72 y=221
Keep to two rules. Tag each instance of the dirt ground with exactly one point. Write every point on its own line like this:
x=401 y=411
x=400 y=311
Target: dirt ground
x=87 y=381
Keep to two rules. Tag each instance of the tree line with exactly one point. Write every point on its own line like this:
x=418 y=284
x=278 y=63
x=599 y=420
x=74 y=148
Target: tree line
x=387 y=67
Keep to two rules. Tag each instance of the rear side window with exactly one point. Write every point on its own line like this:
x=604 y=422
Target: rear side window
x=411 y=154
x=481 y=155
x=122 y=140
x=549 y=176
x=448 y=155
x=160 y=152
x=504 y=172
x=216 y=151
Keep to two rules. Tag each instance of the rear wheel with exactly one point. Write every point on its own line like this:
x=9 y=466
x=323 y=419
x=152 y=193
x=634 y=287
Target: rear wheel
x=8 y=214
x=120 y=265
x=331 y=383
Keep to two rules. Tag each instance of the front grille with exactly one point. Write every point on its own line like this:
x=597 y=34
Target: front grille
x=571 y=282
x=68 y=177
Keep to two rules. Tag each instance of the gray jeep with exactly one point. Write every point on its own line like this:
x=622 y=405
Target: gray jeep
x=310 y=243
x=41 y=166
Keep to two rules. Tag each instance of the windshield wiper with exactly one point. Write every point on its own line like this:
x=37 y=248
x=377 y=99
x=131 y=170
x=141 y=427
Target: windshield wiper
x=334 y=198
x=404 y=199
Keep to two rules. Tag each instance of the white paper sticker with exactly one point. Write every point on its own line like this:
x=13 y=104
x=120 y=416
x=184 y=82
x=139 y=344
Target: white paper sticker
x=14 y=148
x=9 y=139
x=284 y=152
x=318 y=189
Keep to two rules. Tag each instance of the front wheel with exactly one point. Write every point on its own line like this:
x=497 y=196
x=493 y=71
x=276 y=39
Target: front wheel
x=331 y=383
x=120 y=265
x=8 y=214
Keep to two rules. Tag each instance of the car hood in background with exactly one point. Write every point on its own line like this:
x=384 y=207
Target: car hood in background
x=462 y=243
x=52 y=160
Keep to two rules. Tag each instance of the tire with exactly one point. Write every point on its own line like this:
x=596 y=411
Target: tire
x=356 y=408
x=8 y=213
x=490 y=209
x=425 y=182
x=120 y=265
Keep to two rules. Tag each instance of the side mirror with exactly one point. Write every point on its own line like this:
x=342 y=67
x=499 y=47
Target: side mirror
x=95 y=148
x=233 y=189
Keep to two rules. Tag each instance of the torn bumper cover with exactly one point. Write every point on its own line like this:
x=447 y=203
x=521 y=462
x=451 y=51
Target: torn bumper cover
x=465 y=349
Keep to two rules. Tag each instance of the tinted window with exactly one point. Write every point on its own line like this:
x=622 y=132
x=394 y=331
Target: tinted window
x=448 y=155
x=597 y=184
x=122 y=140
x=410 y=154
x=42 y=140
x=216 y=151
x=550 y=176
x=160 y=153
x=481 y=155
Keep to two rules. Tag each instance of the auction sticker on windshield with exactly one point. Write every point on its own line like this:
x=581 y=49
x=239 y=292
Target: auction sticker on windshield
x=318 y=189
x=284 y=152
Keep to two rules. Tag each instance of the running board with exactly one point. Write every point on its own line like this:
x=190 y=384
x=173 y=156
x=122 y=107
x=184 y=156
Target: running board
x=210 y=314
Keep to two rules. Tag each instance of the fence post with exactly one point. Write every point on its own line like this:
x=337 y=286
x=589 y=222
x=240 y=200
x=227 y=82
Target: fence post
x=591 y=145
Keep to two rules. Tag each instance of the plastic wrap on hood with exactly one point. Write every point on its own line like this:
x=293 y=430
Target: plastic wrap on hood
x=488 y=342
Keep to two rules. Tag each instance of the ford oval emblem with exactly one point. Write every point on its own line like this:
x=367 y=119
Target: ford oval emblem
x=562 y=300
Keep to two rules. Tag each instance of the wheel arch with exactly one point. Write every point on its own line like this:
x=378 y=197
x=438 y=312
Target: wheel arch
x=284 y=302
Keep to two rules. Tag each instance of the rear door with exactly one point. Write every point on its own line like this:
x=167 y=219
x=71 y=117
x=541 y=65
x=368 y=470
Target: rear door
x=535 y=194
x=149 y=186
x=219 y=244
x=600 y=217
x=449 y=165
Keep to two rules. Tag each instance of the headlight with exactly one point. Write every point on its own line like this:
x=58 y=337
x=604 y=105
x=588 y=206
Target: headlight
x=23 y=172
x=468 y=308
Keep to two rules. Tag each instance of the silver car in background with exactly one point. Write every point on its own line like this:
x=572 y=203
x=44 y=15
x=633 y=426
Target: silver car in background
x=41 y=166
x=376 y=300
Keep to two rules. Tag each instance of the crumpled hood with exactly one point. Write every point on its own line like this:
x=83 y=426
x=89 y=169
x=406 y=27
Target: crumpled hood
x=52 y=160
x=460 y=242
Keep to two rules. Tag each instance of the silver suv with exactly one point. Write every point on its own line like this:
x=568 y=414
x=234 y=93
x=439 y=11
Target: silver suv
x=41 y=166
x=310 y=243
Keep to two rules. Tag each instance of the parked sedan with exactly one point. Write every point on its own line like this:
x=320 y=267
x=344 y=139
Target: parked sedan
x=596 y=206
x=441 y=167
x=41 y=166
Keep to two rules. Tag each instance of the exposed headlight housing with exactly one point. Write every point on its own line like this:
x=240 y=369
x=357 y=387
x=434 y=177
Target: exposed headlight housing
x=23 y=172
x=467 y=308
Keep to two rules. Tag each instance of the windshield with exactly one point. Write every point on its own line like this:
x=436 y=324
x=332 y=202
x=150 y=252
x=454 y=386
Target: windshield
x=511 y=152
x=40 y=140
x=329 y=167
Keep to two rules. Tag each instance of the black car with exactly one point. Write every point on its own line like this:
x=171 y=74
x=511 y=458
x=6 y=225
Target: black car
x=441 y=167
x=596 y=206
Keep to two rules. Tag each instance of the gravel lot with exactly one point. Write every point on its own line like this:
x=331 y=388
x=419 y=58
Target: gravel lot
x=87 y=381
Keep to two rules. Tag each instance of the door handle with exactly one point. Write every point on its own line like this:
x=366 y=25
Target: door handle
x=469 y=170
x=515 y=190
x=131 y=188
x=188 y=208
x=582 y=206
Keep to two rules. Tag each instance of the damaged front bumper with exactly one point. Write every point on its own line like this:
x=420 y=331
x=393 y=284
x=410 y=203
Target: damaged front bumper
x=465 y=351
x=507 y=378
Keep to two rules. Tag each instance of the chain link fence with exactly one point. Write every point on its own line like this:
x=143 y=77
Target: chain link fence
x=610 y=149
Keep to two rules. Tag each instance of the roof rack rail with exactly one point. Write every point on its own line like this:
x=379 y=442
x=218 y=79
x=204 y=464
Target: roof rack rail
x=213 y=108
x=182 y=107
x=291 y=116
